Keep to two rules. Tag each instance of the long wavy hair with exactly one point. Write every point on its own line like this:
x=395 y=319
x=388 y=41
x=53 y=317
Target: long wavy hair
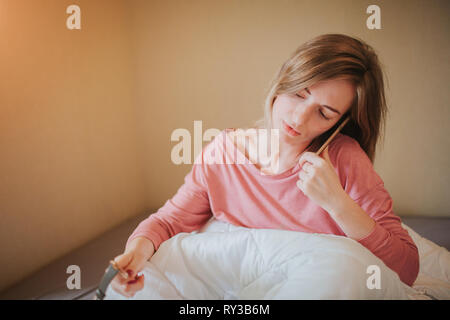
x=336 y=56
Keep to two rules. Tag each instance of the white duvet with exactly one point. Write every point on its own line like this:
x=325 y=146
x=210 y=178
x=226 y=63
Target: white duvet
x=222 y=261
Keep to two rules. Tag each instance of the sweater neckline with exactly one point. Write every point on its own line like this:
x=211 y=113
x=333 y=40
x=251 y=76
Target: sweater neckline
x=286 y=173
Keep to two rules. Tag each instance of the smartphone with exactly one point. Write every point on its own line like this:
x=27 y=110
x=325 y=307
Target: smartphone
x=325 y=139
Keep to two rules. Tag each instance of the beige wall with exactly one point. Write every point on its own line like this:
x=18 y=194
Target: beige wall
x=71 y=164
x=86 y=116
x=212 y=61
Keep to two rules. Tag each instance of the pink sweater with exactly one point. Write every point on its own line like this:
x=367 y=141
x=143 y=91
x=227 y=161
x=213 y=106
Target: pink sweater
x=238 y=193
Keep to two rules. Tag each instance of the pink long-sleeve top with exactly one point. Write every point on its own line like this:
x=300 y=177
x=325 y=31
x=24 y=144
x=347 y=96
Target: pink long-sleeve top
x=234 y=190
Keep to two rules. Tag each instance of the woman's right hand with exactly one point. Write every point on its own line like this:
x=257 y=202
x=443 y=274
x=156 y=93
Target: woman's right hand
x=132 y=261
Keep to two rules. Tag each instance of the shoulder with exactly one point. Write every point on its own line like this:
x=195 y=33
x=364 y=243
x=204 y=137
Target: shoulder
x=217 y=147
x=343 y=141
x=346 y=148
x=355 y=170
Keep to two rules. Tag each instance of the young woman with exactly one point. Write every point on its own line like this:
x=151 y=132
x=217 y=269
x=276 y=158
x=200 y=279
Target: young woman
x=326 y=80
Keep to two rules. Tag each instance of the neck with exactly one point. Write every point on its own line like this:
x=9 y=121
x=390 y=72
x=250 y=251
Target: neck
x=283 y=153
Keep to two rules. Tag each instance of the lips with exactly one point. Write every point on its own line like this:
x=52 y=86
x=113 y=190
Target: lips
x=290 y=130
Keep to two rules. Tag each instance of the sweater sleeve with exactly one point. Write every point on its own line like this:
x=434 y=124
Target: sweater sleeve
x=186 y=211
x=388 y=240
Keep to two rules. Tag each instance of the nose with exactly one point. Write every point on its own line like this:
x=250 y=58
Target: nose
x=302 y=113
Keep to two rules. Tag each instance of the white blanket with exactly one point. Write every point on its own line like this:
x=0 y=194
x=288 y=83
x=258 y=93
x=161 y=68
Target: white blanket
x=223 y=261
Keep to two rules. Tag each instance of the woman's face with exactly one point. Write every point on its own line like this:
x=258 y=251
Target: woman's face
x=312 y=111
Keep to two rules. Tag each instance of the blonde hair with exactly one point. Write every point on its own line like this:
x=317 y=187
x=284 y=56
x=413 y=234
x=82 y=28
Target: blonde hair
x=336 y=56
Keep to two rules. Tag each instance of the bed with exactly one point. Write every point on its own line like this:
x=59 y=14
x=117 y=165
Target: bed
x=222 y=261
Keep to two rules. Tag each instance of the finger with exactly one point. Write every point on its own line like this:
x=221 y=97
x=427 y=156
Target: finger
x=133 y=286
x=131 y=264
x=124 y=260
x=135 y=280
x=307 y=167
x=135 y=266
x=119 y=289
x=303 y=175
x=302 y=163
x=310 y=157
x=121 y=279
x=138 y=284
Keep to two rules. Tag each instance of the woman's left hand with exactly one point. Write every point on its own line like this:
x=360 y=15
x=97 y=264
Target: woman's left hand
x=319 y=180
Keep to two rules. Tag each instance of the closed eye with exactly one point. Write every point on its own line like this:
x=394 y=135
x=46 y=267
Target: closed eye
x=323 y=115
x=320 y=111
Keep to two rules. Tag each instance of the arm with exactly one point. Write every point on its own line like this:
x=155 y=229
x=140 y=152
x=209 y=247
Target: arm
x=356 y=199
x=380 y=232
x=351 y=218
x=366 y=214
x=142 y=245
x=186 y=211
